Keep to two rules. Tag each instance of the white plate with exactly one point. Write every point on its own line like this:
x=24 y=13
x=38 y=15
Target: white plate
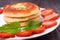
x=2 y=22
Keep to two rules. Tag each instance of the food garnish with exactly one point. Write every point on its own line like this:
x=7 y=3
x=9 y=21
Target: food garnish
x=47 y=11
x=6 y=35
x=32 y=25
x=10 y=28
x=1 y=10
x=39 y=29
x=24 y=33
x=14 y=28
x=49 y=24
x=51 y=17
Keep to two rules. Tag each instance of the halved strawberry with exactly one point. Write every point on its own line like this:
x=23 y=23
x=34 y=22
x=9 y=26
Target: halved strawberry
x=49 y=24
x=46 y=12
x=39 y=29
x=51 y=17
x=24 y=33
x=1 y=10
x=6 y=35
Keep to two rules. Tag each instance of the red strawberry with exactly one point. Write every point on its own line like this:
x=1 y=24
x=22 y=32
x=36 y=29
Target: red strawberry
x=46 y=12
x=39 y=29
x=49 y=24
x=6 y=35
x=24 y=33
x=51 y=17
x=1 y=10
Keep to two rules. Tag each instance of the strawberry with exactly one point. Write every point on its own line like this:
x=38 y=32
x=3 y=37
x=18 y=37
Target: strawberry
x=24 y=33
x=39 y=29
x=6 y=35
x=49 y=24
x=46 y=12
x=1 y=10
x=51 y=17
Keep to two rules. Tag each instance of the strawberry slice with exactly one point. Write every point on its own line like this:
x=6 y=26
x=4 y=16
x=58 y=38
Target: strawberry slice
x=1 y=10
x=24 y=33
x=39 y=29
x=6 y=35
x=46 y=12
x=51 y=17
x=49 y=24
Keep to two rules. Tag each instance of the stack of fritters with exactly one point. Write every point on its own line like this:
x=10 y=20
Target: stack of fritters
x=21 y=12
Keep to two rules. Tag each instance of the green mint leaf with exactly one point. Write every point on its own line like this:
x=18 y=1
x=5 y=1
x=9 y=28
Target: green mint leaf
x=11 y=25
x=13 y=31
x=10 y=28
x=36 y=24
x=32 y=25
x=28 y=25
